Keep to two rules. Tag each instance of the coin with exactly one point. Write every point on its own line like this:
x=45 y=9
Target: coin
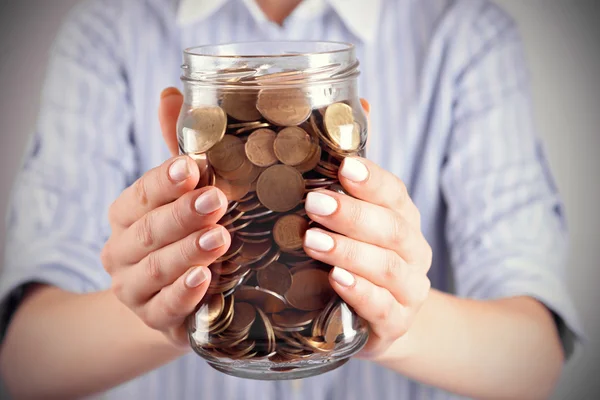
x=230 y=218
x=294 y=318
x=203 y=129
x=263 y=299
x=334 y=325
x=271 y=257
x=244 y=315
x=312 y=160
x=210 y=310
x=280 y=188
x=275 y=277
x=234 y=248
x=289 y=231
x=241 y=105
x=292 y=146
x=238 y=226
x=249 y=205
x=310 y=290
x=228 y=154
x=232 y=191
x=244 y=124
x=251 y=128
x=341 y=127
x=259 y=148
x=284 y=107
x=224 y=268
x=239 y=175
x=253 y=252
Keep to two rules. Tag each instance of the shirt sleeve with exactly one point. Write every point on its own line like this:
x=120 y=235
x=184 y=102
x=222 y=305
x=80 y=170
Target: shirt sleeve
x=506 y=226
x=77 y=162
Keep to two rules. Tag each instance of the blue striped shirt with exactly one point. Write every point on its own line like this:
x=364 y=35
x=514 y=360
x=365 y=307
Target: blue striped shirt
x=451 y=116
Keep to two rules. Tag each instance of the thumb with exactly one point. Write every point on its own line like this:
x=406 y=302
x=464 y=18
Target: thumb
x=171 y=101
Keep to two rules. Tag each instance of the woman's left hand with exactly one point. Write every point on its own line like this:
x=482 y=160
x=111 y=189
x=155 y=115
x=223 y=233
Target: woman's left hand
x=381 y=258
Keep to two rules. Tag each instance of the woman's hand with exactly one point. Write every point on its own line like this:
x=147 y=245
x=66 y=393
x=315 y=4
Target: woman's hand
x=380 y=256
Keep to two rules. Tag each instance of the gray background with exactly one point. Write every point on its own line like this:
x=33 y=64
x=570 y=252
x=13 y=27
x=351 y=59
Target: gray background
x=564 y=56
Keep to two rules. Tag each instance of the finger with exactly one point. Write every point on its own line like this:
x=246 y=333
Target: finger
x=373 y=303
x=368 y=223
x=162 y=267
x=169 y=223
x=171 y=101
x=367 y=181
x=380 y=266
x=157 y=187
x=175 y=302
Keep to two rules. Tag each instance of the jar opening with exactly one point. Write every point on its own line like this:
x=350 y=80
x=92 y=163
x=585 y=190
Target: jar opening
x=269 y=63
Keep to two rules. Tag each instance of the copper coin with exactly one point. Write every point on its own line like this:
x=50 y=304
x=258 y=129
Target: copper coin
x=341 y=127
x=292 y=145
x=234 y=248
x=244 y=315
x=325 y=172
x=230 y=218
x=232 y=190
x=294 y=318
x=210 y=310
x=271 y=257
x=238 y=226
x=334 y=325
x=203 y=129
x=251 y=176
x=249 y=205
x=251 y=128
x=311 y=162
x=248 y=197
x=268 y=301
x=258 y=213
x=280 y=188
x=259 y=148
x=289 y=231
x=255 y=230
x=275 y=277
x=224 y=268
x=228 y=154
x=255 y=240
x=310 y=290
x=244 y=124
x=241 y=173
x=241 y=105
x=264 y=334
x=253 y=252
x=284 y=107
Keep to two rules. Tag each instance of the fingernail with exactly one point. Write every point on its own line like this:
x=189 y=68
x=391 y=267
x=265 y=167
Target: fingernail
x=169 y=91
x=320 y=204
x=179 y=170
x=195 y=277
x=342 y=277
x=212 y=239
x=354 y=170
x=318 y=241
x=208 y=202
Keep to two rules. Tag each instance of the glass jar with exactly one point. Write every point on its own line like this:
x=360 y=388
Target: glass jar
x=268 y=122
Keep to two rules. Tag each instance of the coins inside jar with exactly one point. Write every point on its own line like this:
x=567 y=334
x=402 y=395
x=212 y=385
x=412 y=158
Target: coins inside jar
x=266 y=149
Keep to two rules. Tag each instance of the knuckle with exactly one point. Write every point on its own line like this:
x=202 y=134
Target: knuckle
x=391 y=267
x=144 y=232
x=106 y=258
x=188 y=250
x=150 y=319
x=171 y=309
x=398 y=230
x=118 y=288
x=141 y=193
x=381 y=314
x=356 y=213
x=402 y=192
x=178 y=215
x=351 y=253
x=153 y=267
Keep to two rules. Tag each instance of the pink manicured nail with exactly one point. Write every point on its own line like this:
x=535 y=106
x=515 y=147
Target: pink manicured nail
x=320 y=204
x=318 y=241
x=208 y=202
x=195 y=277
x=342 y=277
x=212 y=239
x=354 y=170
x=179 y=170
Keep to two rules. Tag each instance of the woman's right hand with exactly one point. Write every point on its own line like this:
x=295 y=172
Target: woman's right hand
x=164 y=235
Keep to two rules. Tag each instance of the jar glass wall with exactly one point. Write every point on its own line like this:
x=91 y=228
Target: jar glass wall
x=267 y=123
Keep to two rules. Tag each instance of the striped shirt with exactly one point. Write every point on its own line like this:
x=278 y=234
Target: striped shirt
x=451 y=116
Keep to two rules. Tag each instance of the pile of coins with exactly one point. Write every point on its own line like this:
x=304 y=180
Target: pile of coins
x=265 y=150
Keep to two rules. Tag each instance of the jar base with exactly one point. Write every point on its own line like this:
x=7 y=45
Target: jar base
x=282 y=373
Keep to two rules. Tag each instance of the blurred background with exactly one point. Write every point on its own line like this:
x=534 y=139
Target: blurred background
x=561 y=39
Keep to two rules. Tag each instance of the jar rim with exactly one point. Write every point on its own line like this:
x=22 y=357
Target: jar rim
x=195 y=51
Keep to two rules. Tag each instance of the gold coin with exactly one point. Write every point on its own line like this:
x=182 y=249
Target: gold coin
x=289 y=231
x=259 y=148
x=275 y=277
x=341 y=127
x=244 y=315
x=241 y=105
x=263 y=299
x=203 y=129
x=284 y=107
x=310 y=290
x=280 y=188
x=231 y=189
x=228 y=154
x=292 y=145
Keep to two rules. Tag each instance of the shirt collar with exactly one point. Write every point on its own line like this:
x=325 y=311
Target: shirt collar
x=360 y=17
